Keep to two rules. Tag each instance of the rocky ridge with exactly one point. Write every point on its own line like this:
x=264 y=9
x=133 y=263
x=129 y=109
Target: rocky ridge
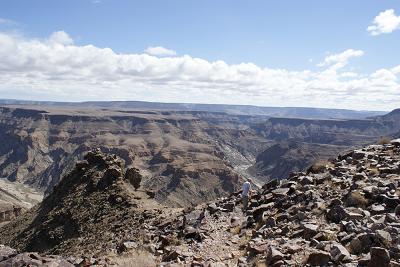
x=345 y=213
x=89 y=211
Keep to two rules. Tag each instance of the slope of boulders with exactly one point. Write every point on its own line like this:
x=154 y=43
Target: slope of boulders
x=90 y=211
x=11 y=257
x=344 y=213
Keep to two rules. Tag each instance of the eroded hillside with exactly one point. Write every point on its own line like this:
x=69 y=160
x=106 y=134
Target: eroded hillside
x=182 y=156
x=187 y=157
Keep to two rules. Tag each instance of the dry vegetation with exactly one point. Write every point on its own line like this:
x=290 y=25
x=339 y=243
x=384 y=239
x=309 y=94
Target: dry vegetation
x=356 y=199
x=384 y=141
x=321 y=166
x=373 y=171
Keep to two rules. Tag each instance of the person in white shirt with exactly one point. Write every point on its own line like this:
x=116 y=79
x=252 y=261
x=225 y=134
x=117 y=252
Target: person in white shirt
x=246 y=193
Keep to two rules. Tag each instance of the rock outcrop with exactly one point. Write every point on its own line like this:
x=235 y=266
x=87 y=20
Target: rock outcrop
x=90 y=210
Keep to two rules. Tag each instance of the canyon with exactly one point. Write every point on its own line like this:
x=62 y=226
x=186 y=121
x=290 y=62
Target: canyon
x=186 y=157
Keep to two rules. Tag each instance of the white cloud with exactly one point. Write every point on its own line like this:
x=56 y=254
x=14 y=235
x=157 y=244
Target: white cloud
x=385 y=22
x=340 y=60
x=159 y=51
x=60 y=37
x=57 y=69
x=396 y=70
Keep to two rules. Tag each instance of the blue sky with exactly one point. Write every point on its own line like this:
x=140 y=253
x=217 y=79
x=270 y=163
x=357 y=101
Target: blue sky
x=294 y=36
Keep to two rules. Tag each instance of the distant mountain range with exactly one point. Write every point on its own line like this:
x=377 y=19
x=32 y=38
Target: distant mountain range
x=283 y=112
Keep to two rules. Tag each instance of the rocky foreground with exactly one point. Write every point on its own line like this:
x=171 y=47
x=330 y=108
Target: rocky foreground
x=343 y=213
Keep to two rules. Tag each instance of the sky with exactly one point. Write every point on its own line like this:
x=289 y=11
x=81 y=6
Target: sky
x=331 y=54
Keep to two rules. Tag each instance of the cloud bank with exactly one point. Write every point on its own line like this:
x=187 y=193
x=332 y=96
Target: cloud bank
x=385 y=22
x=57 y=69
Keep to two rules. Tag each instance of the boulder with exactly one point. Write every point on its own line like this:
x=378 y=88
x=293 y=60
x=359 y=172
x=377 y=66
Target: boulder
x=6 y=252
x=258 y=249
x=134 y=177
x=150 y=193
x=173 y=255
x=361 y=243
x=380 y=257
x=336 y=214
x=306 y=180
x=395 y=142
x=309 y=230
x=273 y=256
x=397 y=210
x=129 y=245
x=212 y=208
x=340 y=254
x=258 y=211
x=271 y=184
x=384 y=238
x=318 y=258
x=358 y=154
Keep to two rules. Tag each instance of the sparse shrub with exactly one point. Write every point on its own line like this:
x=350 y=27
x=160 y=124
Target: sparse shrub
x=356 y=199
x=328 y=236
x=384 y=141
x=175 y=241
x=373 y=171
x=320 y=166
x=235 y=230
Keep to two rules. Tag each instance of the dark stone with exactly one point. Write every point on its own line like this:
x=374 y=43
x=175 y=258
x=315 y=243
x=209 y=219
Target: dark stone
x=134 y=177
x=273 y=255
x=318 y=258
x=271 y=184
x=309 y=230
x=258 y=249
x=257 y=212
x=173 y=255
x=380 y=257
x=150 y=193
x=336 y=214
x=212 y=208
x=397 y=210
x=340 y=254
x=229 y=206
x=361 y=243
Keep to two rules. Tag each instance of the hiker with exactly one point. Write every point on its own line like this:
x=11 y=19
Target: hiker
x=246 y=193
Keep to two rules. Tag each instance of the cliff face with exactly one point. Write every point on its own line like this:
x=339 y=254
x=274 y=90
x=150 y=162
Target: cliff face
x=334 y=132
x=279 y=160
x=179 y=152
x=175 y=151
x=15 y=198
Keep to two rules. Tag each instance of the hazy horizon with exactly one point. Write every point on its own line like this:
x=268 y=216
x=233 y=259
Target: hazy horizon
x=191 y=103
